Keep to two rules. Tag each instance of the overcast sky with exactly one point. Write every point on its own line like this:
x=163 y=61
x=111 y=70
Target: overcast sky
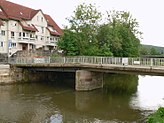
x=149 y=13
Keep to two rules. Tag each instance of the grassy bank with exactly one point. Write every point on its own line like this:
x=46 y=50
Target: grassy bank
x=156 y=117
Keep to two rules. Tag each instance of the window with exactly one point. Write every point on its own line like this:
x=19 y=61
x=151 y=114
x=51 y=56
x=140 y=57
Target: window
x=1 y=44
x=56 y=39
x=12 y=34
x=42 y=29
x=13 y=45
x=14 y=24
x=48 y=38
x=33 y=46
x=24 y=34
x=31 y=36
x=36 y=37
x=42 y=38
x=37 y=18
x=2 y=32
x=27 y=34
x=42 y=19
x=20 y=34
x=51 y=39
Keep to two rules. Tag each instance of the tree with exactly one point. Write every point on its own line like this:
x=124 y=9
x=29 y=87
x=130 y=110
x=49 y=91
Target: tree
x=68 y=43
x=153 y=51
x=121 y=34
x=85 y=36
x=144 y=51
x=85 y=23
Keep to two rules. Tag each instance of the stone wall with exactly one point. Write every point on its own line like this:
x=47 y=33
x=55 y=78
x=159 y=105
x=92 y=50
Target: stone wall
x=5 y=77
x=25 y=75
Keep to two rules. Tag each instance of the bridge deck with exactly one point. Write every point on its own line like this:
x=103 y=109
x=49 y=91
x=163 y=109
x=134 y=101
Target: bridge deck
x=71 y=67
x=103 y=64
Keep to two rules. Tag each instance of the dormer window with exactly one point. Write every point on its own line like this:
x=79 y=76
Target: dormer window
x=21 y=13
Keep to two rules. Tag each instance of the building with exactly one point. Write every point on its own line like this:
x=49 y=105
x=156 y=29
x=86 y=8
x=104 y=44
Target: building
x=23 y=28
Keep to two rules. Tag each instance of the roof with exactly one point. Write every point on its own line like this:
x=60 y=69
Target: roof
x=2 y=15
x=19 y=12
x=29 y=27
x=53 y=33
x=52 y=23
x=1 y=23
x=15 y=11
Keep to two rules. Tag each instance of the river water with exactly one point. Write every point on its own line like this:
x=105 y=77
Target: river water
x=124 y=99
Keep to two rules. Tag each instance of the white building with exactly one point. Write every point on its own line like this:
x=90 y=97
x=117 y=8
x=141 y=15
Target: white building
x=23 y=28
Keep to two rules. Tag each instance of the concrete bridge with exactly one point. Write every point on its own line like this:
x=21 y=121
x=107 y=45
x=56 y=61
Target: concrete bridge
x=88 y=70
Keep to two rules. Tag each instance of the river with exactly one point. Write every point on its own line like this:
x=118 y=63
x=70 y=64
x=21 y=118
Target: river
x=124 y=99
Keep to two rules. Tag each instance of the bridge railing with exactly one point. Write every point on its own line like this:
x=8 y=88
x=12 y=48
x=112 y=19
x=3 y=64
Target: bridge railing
x=90 y=60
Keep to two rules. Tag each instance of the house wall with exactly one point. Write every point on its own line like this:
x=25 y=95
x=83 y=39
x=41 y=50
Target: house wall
x=3 y=38
x=12 y=42
x=40 y=23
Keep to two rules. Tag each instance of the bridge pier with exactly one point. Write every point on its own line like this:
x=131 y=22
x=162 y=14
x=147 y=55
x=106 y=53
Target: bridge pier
x=88 y=80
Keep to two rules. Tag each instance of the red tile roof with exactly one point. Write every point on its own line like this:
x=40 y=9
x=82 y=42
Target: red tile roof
x=19 y=12
x=15 y=11
x=52 y=23
x=53 y=33
x=29 y=28
x=2 y=15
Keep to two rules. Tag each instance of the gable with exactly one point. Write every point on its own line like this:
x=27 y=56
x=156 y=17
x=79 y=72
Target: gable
x=39 y=19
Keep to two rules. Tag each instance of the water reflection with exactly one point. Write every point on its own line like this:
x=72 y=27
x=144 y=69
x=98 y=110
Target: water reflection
x=150 y=94
x=121 y=100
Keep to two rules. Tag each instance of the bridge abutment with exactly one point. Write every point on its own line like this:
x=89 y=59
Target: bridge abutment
x=25 y=75
x=88 y=80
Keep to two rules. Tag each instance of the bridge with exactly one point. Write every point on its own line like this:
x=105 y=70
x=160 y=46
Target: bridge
x=88 y=69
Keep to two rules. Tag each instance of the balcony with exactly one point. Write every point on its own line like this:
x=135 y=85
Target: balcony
x=50 y=43
x=30 y=40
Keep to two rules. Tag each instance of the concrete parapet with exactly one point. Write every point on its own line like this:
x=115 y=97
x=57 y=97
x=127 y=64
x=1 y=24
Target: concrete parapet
x=88 y=80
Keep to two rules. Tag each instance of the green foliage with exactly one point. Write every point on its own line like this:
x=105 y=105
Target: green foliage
x=153 y=51
x=85 y=36
x=68 y=43
x=85 y=24
x=157 y=117
x=121 y=34
x=144 y=50
x=121 y=83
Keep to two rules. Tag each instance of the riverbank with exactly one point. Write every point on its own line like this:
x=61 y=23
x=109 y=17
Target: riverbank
x=5 y=77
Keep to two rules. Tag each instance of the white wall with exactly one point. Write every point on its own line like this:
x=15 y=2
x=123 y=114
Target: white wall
x=3 y=38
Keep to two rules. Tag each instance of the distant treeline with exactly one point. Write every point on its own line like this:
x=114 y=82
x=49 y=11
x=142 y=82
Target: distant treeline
x=151 y=50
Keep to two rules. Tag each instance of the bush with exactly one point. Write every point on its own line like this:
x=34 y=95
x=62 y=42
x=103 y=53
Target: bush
x=156 y=117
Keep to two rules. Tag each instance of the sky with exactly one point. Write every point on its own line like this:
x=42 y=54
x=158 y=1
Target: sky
x=149 y=13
